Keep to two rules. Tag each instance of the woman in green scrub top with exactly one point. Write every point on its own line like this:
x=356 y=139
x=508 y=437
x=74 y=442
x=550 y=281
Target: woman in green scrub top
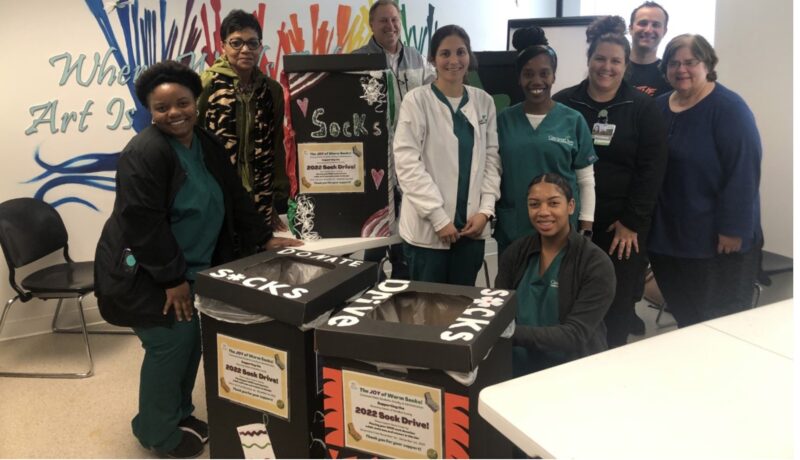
x=445 y=150
x=179 y=209
x=538 y=136
x=564 y=283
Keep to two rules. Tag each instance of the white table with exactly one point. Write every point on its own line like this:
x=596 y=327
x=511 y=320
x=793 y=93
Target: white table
x=768 y=327
x=721 y=389
x=342 y=246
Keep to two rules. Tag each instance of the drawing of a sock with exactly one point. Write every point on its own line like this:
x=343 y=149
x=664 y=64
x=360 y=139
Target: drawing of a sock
x=255 y=441
x=430 y=402
x=351 y=430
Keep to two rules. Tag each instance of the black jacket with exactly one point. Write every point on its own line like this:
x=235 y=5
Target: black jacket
x=630 y=170
x=149 y=175
x=586 y=286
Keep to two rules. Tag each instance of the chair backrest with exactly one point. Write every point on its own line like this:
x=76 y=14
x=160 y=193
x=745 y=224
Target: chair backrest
x=29 y=230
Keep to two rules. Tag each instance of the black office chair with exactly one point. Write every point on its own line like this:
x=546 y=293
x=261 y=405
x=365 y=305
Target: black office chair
x=772 y=264
x=31 y=229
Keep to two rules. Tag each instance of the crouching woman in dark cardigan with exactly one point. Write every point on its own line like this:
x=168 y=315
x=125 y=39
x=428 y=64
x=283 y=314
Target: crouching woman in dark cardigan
x=564 y=283
x=179 y=209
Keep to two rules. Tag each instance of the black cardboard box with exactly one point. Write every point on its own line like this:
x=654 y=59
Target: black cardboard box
x=262 y=392
x=266 y=284
x=385 y=389
x=229 y=413
x=450 y=337
x=337 y=144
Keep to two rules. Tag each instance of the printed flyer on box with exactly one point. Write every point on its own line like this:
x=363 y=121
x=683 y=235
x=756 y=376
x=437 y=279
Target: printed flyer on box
x=253 y=375
x=391 y=418
x=331 y=167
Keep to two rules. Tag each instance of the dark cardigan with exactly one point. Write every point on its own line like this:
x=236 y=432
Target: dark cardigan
x=149 y=176
x=586 y=285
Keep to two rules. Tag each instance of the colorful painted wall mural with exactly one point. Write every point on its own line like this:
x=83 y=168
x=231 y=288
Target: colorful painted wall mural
x=140 y=33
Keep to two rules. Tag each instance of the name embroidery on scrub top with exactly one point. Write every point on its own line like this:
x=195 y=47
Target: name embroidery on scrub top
x=561 y=140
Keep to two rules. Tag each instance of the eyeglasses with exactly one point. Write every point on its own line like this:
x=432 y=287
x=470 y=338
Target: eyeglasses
x=689 y=64
x=238 y=43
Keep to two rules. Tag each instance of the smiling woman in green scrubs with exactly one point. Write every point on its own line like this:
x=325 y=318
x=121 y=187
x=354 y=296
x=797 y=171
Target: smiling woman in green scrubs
x=538 y=136
x=564 y=283
x=179 y=209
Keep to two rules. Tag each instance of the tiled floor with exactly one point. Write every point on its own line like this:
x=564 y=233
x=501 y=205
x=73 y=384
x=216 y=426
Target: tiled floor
x=84 y=418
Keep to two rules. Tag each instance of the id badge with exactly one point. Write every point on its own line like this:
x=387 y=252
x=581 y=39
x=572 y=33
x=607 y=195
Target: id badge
x=602 y=133
x=128 y=262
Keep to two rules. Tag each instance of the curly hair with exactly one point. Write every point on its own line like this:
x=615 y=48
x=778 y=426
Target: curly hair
x=607 y=29
x=531 y=42
x=167 y=72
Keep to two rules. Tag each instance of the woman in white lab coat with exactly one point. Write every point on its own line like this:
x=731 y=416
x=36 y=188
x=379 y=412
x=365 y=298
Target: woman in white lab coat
x=445 y=150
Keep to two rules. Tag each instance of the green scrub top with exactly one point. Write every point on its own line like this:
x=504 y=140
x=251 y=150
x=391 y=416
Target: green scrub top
x=561 y=144
x=537 y=300
x=197 y=213
x=465 y=134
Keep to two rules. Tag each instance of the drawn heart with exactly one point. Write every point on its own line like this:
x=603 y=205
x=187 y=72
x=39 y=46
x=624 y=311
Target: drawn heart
x=303 y=104
x=377 y=177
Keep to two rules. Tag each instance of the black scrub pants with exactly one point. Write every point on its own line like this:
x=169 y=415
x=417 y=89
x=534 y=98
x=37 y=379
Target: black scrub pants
x=629 y=273
x=698 y=290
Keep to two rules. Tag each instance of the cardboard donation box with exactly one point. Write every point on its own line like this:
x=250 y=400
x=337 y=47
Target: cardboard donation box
x=403 y=366
x=337 y=145
x=257 y=319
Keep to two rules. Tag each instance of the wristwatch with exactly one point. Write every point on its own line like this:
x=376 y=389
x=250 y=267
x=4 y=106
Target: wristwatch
x=587 y=232
x=490 y=219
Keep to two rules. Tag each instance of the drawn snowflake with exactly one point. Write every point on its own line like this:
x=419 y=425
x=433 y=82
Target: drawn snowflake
x=488 y=302
x=236 y=277
x=373 y=92
x=304 y=219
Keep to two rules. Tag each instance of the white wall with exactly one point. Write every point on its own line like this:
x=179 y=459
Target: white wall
x=30 y=80
x=33 y=31
x=696 y=16
x=754 y=45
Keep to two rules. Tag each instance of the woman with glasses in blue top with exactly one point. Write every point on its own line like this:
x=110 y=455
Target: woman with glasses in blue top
x=539 y=136
x=706 y=237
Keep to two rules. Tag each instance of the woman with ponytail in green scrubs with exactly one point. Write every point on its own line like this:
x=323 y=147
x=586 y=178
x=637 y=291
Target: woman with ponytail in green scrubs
x=564 y=283
x=538 y=136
